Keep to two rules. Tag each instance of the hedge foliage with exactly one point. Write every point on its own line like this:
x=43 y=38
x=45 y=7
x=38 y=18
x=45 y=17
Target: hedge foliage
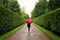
x=53 y=4
x=50 y=21
x=40 y=8
x=9 y=20
x=10 y=16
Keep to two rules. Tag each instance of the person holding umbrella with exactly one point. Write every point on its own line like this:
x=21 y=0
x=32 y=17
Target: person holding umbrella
x=29 y=21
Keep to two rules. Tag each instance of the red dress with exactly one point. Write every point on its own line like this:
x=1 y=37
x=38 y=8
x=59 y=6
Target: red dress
x=29 y=21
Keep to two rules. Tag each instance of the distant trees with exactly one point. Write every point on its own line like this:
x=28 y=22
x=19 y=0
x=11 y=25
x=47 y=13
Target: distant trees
x=44 y=6
x=40 y=8
x=4 y=1
x=24 y=15
x=14 y=6
x=54 y=4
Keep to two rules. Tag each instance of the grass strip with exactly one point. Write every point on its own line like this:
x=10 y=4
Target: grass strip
x=48 y=33
x=8 y=34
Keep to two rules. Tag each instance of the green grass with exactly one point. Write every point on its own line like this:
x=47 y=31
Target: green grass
x=5 y=36
x=48 y=33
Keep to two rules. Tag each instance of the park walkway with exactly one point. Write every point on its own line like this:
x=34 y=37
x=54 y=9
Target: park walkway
x=34 y=34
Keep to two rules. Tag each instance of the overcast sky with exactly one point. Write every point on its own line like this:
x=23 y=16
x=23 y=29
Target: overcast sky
x=27 y=5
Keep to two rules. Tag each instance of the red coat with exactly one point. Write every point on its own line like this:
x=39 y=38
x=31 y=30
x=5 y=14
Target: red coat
x=29 y=21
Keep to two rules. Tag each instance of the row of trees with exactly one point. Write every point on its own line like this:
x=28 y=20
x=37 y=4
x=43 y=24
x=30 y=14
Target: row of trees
x=47 y=14
x=44 y=6
x=40 y=8
x=10 y=16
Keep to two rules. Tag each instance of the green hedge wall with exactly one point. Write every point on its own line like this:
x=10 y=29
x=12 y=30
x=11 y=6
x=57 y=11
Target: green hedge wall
x=50 y=21
x=9 y=20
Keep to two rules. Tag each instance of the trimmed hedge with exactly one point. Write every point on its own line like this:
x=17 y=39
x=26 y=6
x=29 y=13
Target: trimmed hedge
x=50 y=21
x=48 y=33
x=12 y=32
x=9 y=20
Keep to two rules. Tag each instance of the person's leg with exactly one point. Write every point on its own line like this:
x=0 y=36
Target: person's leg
x=28 y=27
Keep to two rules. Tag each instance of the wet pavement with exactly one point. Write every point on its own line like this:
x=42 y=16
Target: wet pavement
x=34 y=34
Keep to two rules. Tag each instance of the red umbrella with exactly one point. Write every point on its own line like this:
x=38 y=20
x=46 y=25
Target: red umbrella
x=29 y=21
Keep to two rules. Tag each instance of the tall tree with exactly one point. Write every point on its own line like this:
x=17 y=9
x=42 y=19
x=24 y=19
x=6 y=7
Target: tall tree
x=4 y=1
x=54 y=4
x=14 y=6
x=40 y=8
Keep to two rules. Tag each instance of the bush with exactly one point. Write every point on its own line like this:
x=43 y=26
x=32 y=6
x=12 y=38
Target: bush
x=9 y=20
x=50 y=21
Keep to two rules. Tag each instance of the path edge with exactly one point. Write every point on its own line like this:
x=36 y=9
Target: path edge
x=8 y=34
x=53 y=36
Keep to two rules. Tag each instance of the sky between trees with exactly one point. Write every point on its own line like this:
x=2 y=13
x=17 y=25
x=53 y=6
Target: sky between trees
x=27 y=5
